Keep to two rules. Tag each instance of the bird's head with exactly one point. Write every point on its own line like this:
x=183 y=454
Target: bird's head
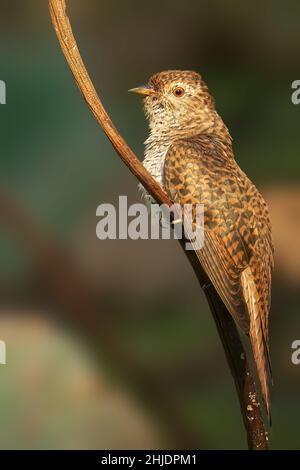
x=177 y=102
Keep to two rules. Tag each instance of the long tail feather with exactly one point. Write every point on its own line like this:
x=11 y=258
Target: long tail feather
x=260 y=351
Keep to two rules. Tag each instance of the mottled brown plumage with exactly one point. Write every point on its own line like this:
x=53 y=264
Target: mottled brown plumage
x=189 y=151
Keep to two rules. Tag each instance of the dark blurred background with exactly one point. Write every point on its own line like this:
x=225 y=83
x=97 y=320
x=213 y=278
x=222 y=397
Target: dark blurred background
x=111 y=344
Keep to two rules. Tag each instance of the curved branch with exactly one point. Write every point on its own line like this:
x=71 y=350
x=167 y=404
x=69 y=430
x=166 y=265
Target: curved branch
x=235 y=353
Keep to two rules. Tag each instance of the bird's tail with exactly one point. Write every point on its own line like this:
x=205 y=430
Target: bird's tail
x=258 y=340
x=260 y=357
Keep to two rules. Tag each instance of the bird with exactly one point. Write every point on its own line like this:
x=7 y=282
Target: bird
x=189 y=152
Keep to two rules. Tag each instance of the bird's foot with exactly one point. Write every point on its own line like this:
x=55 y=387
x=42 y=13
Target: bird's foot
x=206 y=285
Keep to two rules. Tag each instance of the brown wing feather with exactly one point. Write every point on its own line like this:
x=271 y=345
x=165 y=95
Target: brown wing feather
x=237 y=254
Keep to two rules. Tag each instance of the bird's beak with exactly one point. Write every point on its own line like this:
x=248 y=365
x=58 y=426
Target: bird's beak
x=144 y=90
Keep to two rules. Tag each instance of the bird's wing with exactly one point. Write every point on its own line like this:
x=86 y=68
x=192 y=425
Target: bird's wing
x=189 y=178
x=237 y=253
x=262 y=260
x=194 y=173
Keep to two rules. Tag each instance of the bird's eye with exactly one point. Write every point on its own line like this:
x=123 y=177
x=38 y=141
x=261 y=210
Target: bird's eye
x=178 y=91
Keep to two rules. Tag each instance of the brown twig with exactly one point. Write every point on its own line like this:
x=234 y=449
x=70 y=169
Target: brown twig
x=235 y=354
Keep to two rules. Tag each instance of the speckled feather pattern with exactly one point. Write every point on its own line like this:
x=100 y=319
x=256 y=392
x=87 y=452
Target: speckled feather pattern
x=189 y=151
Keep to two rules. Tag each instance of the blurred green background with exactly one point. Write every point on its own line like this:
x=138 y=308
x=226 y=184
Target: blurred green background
x=111 y=344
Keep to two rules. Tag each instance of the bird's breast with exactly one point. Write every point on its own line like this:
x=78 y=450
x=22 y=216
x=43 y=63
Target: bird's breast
x=154 y=162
